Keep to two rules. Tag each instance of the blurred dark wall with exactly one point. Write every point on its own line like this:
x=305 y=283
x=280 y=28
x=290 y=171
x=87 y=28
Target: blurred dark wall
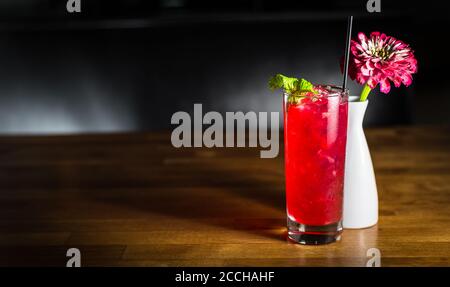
x=131 y=66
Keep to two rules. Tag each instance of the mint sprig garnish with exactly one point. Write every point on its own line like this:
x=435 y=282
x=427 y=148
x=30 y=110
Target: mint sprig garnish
x=295 y=88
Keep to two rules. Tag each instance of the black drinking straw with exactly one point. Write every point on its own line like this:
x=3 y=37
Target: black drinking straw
x=347 y=50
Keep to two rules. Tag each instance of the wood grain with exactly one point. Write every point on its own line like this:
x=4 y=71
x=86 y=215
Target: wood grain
x=134 y=200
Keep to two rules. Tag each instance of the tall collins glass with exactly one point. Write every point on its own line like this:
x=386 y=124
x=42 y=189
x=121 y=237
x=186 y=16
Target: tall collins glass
x=315 y=134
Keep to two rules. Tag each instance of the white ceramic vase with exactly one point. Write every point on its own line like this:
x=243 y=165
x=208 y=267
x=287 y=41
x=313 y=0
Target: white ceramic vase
x=360 y=189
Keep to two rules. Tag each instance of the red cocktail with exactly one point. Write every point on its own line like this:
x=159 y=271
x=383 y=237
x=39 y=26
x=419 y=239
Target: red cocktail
x=315 y=134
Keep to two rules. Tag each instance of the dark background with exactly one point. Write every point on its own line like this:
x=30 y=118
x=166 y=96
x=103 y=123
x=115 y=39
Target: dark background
x=129 y=65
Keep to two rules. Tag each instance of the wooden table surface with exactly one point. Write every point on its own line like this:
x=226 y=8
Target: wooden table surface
x=134 y=200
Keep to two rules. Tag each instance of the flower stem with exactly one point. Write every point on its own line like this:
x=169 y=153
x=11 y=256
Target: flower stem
x=365 y=93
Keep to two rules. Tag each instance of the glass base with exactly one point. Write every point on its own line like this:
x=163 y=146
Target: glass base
x=314 y=235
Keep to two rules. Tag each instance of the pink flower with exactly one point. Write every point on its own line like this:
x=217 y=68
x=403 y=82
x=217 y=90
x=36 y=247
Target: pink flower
x=381 y=59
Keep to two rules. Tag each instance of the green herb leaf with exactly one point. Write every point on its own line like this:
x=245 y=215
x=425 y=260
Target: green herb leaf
x=291 y=85
x=281 y=81
x=305 y=86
